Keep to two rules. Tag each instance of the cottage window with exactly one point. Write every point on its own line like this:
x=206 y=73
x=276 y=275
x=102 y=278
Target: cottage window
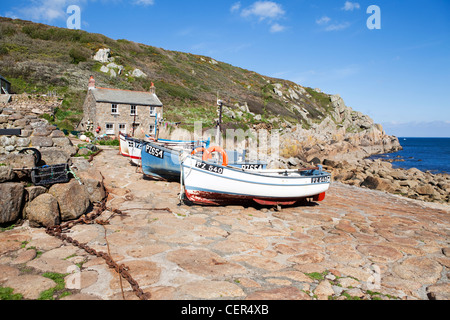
x=122 y=127
x=114 y=109
x=109 y=128
x=133 y=111
x=152 y=129
x=152 y=111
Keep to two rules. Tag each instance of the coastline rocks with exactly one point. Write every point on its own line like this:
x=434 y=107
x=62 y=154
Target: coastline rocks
x=376 y=183
x=342 y=135
x=380 y=175
x=330 y=141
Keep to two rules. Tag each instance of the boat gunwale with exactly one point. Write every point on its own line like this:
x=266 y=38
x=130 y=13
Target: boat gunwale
x=253 y=173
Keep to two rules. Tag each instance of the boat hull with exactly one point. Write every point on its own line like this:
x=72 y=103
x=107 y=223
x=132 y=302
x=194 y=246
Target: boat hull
x=164 y=163
x=132 y=147
x=123 y=146
x=159 y=162
x=212 y=184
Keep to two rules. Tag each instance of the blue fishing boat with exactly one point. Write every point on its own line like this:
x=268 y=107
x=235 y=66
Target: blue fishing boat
x=159 y=162
x=164 y=163
x=132 y=147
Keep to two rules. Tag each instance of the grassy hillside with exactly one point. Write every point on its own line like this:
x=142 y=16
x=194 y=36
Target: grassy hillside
x=37 y=58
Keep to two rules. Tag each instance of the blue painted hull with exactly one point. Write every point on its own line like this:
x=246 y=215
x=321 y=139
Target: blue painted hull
x=164 y=163
x=160 y=163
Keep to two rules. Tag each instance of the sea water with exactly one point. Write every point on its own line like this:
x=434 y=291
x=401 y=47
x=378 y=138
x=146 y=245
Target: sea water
x=425 y=154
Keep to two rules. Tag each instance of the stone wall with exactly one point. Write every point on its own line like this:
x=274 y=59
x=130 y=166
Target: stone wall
x=37 y=133
x=20 y=199
x=33 y=104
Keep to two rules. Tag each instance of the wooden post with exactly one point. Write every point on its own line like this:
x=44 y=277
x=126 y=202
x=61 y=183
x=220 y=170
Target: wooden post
x=134 y=122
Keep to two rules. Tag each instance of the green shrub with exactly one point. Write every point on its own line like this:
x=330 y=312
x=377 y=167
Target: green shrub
x=114 y=143
x=77 y=55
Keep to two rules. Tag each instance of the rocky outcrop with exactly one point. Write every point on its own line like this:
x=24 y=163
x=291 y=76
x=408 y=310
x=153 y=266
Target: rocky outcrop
x=103 y=56
x=343 y=135
x=380 y=175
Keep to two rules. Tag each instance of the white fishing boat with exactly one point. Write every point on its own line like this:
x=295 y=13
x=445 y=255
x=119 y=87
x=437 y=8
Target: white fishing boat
x=124 y=146
x=210 y=183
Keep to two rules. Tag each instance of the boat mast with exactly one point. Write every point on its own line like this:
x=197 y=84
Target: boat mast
x=219 y=122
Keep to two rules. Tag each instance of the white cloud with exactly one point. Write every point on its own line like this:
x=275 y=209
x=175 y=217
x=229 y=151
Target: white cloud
x=323 y=20
x=337 y=27
x=267 y=11
x=144 y=2
x=264 y=10
x=235 y=7
x=350 y=6
x=277 y=28
x=50 y=10
x=45 y=10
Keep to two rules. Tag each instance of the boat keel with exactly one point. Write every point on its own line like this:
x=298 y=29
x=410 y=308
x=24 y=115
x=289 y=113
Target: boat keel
x=217 y=199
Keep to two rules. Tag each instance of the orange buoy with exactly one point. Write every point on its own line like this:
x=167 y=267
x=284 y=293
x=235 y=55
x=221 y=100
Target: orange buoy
x=212 y=149
x=202 y=149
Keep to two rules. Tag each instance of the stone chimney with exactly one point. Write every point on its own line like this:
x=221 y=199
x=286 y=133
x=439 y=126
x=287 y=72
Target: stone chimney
x=91 y=83
x=153 y=89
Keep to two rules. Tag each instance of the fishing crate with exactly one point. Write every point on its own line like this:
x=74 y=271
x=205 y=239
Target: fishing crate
x=48 y=175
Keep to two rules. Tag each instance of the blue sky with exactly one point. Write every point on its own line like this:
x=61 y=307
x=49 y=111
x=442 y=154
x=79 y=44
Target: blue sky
x=399 y=74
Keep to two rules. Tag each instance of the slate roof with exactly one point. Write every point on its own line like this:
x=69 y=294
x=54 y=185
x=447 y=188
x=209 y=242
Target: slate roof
x=140 y=98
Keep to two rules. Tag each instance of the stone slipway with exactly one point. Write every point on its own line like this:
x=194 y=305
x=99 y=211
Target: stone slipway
x=356 y=244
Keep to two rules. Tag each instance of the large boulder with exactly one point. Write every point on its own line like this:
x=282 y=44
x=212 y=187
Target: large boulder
x=54 y=156
x=138 y=73
x=43 y=211
x=33 y=192
x=11 y=198
x=73 y=199
x=376 y=183
x=103 y=55
x=93 y=182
